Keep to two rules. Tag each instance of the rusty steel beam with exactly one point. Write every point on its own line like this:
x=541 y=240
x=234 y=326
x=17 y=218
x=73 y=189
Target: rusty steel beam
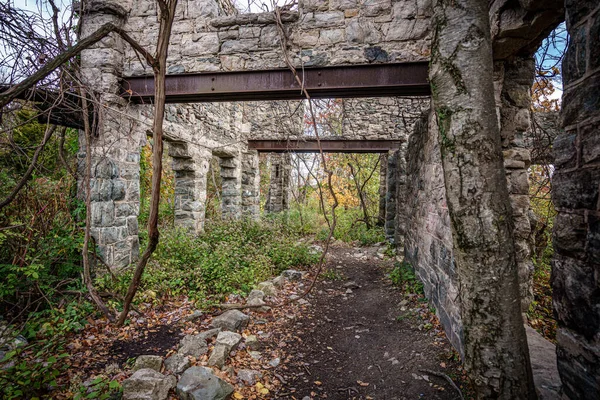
x=372 y=80
x=328 y=146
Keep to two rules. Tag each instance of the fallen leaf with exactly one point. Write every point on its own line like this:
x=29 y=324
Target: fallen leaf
x=318 y=383
x=363 y=384
x=238 y=395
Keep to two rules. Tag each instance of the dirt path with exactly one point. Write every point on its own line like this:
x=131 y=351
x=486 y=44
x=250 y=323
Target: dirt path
x=367 y=342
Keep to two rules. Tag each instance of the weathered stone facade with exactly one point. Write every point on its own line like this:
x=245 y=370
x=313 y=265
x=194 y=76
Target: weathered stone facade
x=320 y=33
x=428 y=240
x=513 y=81
x=341 y=32
x=576 y=187
x=115 y=145
x=278 y=198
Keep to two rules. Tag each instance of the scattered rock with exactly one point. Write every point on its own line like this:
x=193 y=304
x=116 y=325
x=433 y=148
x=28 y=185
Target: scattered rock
x=315 y=249
x=147 y=384
x=228 y=339
x=351 y=285
x=279 y=281
x=193 y=345
x=248 y=376
x=268 y=288
x=252 y=343
x=349 y=291
x=292 y=274
x=231 y=320
x=194 y=316
x=257 y=355
x=148 y=362
x=260 y=305
x=275 y=362
x=255 y=294
x=218 y=357
x=199 y=383
x=303 y=302
x=177 y=363
x=209 y=334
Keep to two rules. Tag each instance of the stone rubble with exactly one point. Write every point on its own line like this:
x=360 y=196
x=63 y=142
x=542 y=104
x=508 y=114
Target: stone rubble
x=200 y=383
x=232 y=320
x=148 y=384
x=148 y=362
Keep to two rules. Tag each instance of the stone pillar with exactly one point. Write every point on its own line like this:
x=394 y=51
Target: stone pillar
x=390 y=196
x=514 y=80
x=116 y=142
x=231 y=183
x=190 y=165
x=250 y=184
x=401 y=193
x=575 y=189
x=383 y=160
x=278 y=198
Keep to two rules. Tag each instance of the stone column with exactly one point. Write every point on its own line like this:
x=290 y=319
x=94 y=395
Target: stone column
x=575 y=188
x=190 y=165
x=250 y=185
x=116 y=143
x=231 y=183
x=278 y=198
x=390 y=196
x=514 y=100
x=401 y=193
x=383 y=160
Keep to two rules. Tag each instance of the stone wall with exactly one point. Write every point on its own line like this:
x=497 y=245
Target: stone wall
x=319 y=33
x=576 y=187
x=513 y=81
x=278 y=197
x=428 y=240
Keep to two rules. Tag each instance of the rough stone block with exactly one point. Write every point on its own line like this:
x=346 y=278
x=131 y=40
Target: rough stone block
x=374 y=8
x=148 y=361
x=578 y=365
x=342 y=4
x=565 y=152
x=147 y=384
x=590 y=143
x=332 y=36
x=574 y=293
x=570 y=234
x=239 y=46
x=581 y=102
x=576 y=189
x=231 y=320
x=200 y=383
x=323 y=20
x=177 y=363
x=574 y=64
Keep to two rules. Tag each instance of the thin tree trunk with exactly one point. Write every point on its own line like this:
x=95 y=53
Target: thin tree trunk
x=167 y=14
x=87 y=275
x=496 y=352
x=361 y=197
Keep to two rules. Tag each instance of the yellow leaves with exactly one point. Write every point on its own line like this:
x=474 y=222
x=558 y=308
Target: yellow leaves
x=238 y=396
x=261 y=388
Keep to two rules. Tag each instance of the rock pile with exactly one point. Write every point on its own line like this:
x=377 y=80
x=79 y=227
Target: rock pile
x=198 y=382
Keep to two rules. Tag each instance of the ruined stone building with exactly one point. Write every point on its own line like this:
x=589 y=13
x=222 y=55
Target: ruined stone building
x=332 y=33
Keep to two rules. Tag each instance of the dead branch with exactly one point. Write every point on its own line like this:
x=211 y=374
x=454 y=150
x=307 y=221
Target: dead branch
x=167 y=15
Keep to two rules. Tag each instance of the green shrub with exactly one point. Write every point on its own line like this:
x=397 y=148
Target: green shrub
x=403 y=276
x=230 y=257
